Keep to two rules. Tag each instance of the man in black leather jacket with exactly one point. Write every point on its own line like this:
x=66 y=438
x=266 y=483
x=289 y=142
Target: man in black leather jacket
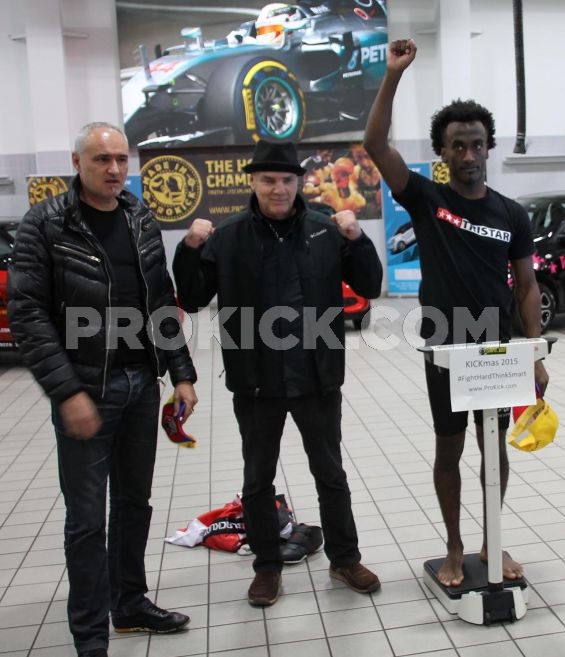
x=277 y=269
x=88 y=292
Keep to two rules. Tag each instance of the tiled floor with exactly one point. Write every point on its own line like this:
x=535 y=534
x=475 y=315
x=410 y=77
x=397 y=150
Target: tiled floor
x=388 y=452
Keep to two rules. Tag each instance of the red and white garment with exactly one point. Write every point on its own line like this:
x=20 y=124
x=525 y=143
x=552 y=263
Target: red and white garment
x=224 y=528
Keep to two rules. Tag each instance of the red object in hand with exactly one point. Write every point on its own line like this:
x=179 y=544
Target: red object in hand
x=518 y=410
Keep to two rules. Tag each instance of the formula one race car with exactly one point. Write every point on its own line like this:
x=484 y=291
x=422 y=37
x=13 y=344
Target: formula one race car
x=296 y=70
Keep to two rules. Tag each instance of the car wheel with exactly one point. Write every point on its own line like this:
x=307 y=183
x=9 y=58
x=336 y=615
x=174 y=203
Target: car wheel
x=258 y=99
x=272 y=97
x=401 y=246
x=547 y=299
x=363 y=323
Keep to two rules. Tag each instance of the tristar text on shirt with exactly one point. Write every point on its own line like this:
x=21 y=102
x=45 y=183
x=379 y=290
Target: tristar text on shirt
x=463 y=224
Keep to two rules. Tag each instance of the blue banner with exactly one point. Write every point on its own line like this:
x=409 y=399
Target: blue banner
x=133 y=185
x=402 y=255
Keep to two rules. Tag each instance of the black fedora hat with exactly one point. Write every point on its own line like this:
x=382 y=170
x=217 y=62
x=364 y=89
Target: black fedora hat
x=275 y=156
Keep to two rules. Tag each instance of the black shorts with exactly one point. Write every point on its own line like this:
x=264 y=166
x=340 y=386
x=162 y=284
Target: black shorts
x=447 y=422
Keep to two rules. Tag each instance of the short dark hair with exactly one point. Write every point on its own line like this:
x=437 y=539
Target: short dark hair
x=460 y=111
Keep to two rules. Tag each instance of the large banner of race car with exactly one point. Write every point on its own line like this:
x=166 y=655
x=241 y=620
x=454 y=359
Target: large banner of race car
x=181 y=185
x=274 y=70
x=403 y=259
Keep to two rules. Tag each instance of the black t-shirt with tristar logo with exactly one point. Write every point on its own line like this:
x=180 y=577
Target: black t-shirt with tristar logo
x=464 y=248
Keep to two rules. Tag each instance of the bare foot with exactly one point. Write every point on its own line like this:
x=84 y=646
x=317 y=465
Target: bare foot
x=451 y=571
x=510 y=569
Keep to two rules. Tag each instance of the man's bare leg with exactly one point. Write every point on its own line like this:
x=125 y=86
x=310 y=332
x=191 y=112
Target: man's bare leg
x=510 y=569
x=447 y=481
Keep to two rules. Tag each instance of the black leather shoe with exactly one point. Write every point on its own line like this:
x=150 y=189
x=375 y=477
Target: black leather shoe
x=304 y=540
x=99 y=652
x=150 y=618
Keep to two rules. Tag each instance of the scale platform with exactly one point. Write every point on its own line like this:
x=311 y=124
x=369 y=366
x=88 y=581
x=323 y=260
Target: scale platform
x=475 y=583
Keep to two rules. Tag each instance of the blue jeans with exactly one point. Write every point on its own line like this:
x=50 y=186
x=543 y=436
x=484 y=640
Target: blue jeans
x=318 y=418
x=123 y=451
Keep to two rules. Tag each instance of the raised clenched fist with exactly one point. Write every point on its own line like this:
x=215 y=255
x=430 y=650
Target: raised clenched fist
x=401 y=53
x=199 y=231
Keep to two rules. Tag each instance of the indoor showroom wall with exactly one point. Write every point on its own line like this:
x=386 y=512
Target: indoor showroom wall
x=489 y=77
x=59 y=68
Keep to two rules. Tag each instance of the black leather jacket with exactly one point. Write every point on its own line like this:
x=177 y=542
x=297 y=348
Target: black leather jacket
x=58 y=263
x=231 y=263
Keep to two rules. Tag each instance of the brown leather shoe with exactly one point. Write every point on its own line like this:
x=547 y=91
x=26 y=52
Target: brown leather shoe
x=357 y=577
x=265 y=588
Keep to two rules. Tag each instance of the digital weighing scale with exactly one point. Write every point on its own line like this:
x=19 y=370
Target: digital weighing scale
x=485 y=596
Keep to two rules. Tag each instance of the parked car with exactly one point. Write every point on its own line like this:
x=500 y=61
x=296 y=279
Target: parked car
x=314 y=65
x=8 y=229
x=355 y=307
x=403 y=237
x=547 y=214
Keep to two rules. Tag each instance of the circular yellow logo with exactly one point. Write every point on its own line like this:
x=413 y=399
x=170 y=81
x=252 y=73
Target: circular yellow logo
x=40 y=188
x=172 y=187
x=440 y=172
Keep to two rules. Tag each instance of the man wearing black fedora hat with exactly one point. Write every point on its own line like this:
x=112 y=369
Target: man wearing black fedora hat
x=277 y=269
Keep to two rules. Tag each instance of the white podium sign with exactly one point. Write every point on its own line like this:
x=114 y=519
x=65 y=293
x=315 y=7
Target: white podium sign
x=492 y=376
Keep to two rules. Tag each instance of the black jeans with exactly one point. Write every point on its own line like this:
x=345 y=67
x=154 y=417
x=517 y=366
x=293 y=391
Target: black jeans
x=318 y=418
x=123 y=451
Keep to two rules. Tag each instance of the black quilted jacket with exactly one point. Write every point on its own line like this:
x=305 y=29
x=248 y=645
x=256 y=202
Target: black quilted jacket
x=58 y=263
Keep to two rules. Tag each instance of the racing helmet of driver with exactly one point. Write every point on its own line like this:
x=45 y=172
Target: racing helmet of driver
x=271 y=22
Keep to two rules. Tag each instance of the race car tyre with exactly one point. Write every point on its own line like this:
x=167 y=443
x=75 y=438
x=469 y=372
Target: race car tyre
x=257 y=98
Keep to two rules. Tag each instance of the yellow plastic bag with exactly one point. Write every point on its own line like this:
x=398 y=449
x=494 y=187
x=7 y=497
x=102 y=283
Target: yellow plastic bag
x=535 y=427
